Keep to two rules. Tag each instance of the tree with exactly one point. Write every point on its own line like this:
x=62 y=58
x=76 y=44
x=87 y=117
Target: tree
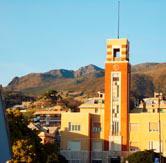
x=71 y=103
x=141 y=87
x=23 y=151
x=52 y=95
x=25 y=142
x=26 y=145
x=15 y=98
x=146 y=156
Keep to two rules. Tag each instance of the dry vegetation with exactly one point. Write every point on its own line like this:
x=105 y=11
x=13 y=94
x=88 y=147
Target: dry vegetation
x=146 y=78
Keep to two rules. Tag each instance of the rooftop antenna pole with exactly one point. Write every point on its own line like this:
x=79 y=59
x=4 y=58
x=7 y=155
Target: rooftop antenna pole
x=118 y=17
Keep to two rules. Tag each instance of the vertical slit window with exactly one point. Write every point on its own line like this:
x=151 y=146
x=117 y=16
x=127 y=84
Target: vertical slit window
x=78 y=127
x=117 y=108
x=117 y=90
x=69 y=126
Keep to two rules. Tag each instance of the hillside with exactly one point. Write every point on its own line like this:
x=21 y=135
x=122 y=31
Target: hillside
x=156 y=72
x=146 y=78
x=37 y=83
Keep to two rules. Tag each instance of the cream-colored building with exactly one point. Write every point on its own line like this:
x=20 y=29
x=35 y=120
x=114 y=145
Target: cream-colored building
x=49 y=117
x=144 y=131
x=82 y=133
x=152 y=104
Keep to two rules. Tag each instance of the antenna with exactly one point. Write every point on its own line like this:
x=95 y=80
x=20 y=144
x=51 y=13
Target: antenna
x=118 y=17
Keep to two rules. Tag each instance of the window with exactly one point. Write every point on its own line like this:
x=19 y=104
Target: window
x=117 y=108
x=96 y=110
x=79 y=127
x=115 y=146
x=113 y=110
x=96 y=161
x=153 y=126
x=116 y=52
x=115 y=79
x=76 y=127
x=115 y=128
x=74 y=145
x=96 y=127
x=117 y=90
x=95 y=101
x=96 y=145
x=69 y=126
x=154 y=144
x=72 y=127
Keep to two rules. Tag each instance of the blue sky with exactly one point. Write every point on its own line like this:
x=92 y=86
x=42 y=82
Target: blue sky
x=39 y=35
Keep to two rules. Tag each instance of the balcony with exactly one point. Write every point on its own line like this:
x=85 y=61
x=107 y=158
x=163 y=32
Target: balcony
x=84 y=156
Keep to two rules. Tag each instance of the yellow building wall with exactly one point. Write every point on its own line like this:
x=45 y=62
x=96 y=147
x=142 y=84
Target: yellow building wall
x=96 y=117
x=140 y=134
x=82 y=119
x=87 y=110
x=86 y=134
x=92 y=110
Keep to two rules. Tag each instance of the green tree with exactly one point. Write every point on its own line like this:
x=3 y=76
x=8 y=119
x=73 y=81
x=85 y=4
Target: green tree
x=25 y=142
x=26 y=146
x=15 y=98
x=52 y=95
x=23 y=151
x=146 y=156
x=71 y=103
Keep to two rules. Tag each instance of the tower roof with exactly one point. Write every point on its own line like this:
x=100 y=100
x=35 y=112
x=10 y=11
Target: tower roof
x=117 y=49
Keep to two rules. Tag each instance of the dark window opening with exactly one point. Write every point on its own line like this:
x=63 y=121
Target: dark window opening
x=116 y=79
x=69 y=126
x=96 y=161
x=117 y=90
x=117 y=107
x=116 y=53
x=96 y=102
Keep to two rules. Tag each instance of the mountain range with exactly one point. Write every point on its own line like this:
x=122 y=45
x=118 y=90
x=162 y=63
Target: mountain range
x=145 y=79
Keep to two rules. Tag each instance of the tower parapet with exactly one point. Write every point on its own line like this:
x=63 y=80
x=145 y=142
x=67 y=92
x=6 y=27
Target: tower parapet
x=117 y=50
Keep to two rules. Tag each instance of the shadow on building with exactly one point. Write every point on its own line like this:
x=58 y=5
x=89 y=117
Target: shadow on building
x=88 y=149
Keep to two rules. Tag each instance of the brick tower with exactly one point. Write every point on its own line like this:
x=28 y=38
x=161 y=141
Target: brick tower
x=117 y=84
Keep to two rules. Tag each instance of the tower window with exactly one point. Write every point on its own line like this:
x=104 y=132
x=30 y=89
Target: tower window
x=116 y=52
x=115 y=79
x=117 y=108
x=117 y=90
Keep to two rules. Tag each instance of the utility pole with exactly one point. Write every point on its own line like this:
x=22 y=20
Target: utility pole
x=159 y=129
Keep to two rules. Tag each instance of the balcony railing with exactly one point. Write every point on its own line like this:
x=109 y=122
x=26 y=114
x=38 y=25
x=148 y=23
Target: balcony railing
x=84 y=156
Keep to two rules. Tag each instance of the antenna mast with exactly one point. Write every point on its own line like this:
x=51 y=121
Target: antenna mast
x=118 y=17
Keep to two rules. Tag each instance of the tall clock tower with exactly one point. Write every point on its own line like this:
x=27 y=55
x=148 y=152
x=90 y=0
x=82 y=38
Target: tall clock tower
x=117 y=84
